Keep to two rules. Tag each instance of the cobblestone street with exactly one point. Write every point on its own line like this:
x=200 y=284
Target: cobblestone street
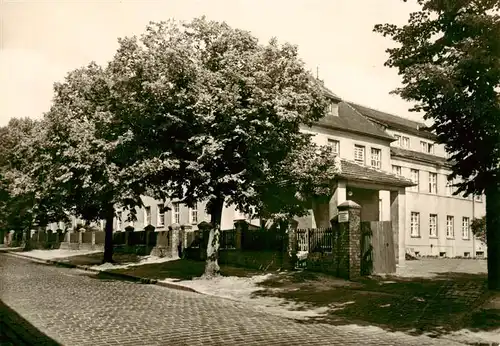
x=74 y=308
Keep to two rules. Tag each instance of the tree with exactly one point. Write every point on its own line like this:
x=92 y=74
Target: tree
x=23 y=205
x=448 y=55
x=478 y=227
x=222 y=112
x=89 y=168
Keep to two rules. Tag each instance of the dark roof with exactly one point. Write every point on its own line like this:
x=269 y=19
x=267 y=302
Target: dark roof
x=330 y=93
x=355 y=171
x=419 y=156
x=395 y=122
x=349 y=119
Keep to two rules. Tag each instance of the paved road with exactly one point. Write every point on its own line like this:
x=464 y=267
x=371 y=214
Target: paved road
x=74 y=308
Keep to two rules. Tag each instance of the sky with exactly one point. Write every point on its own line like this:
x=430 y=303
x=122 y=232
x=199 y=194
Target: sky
x=41 y=41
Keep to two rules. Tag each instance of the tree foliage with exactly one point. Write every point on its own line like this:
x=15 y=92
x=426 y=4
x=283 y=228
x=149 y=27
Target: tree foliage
x=449 y=58
x=448 y=55
x=478 y=227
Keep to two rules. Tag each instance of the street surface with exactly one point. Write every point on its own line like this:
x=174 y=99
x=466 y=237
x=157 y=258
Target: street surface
x=74 y=308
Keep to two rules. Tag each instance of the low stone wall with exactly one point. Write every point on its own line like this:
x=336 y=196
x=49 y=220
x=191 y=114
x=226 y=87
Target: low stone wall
x=261 y=260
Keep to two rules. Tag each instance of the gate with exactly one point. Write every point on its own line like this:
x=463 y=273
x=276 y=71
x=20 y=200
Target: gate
x=377 y=248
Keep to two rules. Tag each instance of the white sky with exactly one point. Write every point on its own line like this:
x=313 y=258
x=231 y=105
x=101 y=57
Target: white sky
x=43 y=40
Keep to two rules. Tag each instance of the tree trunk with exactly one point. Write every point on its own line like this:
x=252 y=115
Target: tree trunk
x=493 y=236
x=212 y=266
x=108 y=236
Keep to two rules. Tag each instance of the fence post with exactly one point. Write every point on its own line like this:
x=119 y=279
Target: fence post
x=292 y=243
x=350 y=224
x=128 y=230
x=240 y=227
x=147 y=231
x=175 y=239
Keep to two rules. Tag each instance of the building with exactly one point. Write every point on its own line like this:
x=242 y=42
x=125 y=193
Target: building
x=391 y=166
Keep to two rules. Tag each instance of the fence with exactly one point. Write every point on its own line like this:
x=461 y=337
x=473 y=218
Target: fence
x=315 y=240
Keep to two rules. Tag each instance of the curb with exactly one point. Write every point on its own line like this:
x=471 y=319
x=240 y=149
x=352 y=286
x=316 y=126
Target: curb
x=138 y=279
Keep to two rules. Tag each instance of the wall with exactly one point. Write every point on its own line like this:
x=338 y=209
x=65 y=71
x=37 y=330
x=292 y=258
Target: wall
x=369 y=202
x=442 y=203
x=348 y=141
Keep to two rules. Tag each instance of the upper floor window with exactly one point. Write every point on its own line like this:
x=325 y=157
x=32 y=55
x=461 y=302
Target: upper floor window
x=335 y=144
x=160 y=216
x=432 y=182
x=405 y=142
x=414 y=177
x=176 y=214
x=427 y=147
x=449 y=188
x=359 y=153
x=376 y=158
x=396 y=170
x=193 y=214
x=333 y=109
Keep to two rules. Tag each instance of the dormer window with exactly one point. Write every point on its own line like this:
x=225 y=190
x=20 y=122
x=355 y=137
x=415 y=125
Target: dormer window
x=427 y=147
x=333 y=109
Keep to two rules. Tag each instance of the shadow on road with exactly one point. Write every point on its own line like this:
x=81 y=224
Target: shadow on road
x=445 y=303
x=15 y=330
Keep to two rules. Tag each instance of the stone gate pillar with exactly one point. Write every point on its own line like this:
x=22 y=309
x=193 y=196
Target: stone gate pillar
x=349 y=219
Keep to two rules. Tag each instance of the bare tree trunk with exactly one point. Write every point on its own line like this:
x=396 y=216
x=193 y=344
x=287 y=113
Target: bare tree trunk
x=493 y=236
x=108 y=235
x=212 y=266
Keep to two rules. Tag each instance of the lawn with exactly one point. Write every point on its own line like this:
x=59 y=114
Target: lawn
x=182 y=269
x=96 y=259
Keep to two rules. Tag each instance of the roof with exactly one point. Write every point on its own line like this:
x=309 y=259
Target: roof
x=354 y=171
x=349 y=119
x=419 y=156
x=395 y=122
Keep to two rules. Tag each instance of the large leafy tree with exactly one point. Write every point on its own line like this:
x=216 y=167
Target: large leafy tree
x=88 y=167
x=448 y=55
x=23 y=203
x=220 y=114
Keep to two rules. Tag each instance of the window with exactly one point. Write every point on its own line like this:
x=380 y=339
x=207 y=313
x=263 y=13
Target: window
x=449 y=188
x=376 y=158
x=450 y=226
x=427 y=147
x=415 y=224
x=433 y=225
x=414 y=177
x=194 y=214
x=119 y=220
x=147 y=216
x=478 y=198
x=432 y=182
x=398 y=140
x=160 y=216
x=359 y=154
x=465 y=228
x=396 y=170
x=333 y=109
x=405 y=142
x=176 y=215
x=335 y=145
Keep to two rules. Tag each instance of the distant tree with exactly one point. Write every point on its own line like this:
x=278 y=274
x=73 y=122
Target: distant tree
x=23 y=205
x=219 y=111
x=478 y=227
x=449 y=58
x=88 y=167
